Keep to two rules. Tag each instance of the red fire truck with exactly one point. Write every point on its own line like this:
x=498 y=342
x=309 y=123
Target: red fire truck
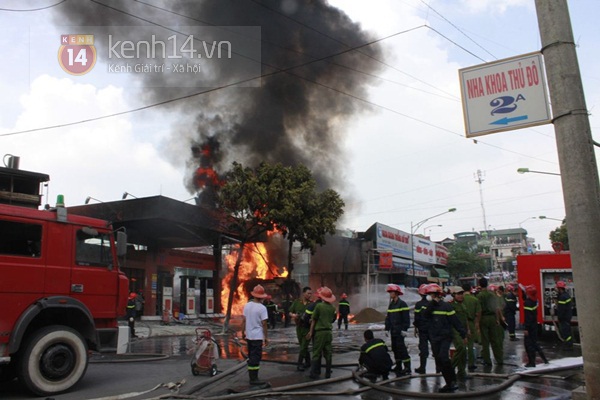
x=544 y=269
x=61 y=292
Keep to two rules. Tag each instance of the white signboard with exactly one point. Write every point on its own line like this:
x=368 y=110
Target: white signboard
x=424 y=250
x=394 y=240
x=504 y=95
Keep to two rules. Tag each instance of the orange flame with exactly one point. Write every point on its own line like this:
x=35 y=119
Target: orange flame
x=254 y=264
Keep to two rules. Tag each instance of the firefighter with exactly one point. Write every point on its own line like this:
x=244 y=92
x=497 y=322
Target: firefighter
x=564 y=312
x=442 y=318
x=530 y=305
x=131 y=313
x=321 y=324
x=271 y=310
x=422 y=329
x=254 y=331
x=374 y=357
x=343 y=311
x=297 y=311
x=510 y=310
x=490 y=320
x=397 y=323
x=459 y=358
x=473 y=318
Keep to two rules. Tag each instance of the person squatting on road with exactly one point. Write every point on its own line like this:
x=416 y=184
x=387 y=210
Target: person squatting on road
x=442 y=319
x=297 y=312
x=131 y=313
x=343 y=311
x=491 y=316
x=254 y=330
x=422 y=329
x=473 y=317
x=321 y=325
x=375 y=358
x=530 y=305
x=564 y=313
x=397 y=322
x=510 y=310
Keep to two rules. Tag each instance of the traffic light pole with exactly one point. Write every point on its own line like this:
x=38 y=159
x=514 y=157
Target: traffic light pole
x=579 y=175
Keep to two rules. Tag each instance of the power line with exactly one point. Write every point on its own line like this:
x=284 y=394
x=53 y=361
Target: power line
x=33 y=9
x=458 y=29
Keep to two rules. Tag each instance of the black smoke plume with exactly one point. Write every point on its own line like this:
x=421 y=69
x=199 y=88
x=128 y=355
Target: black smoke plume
x=287 y=119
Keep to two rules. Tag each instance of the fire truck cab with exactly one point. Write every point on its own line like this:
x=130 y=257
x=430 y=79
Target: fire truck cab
x=61 y=292
x=544 y=269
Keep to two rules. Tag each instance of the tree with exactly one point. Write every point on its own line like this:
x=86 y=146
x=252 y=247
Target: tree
x=308 y=216
x=258 y=200
x=463 y=261
x=560 y=235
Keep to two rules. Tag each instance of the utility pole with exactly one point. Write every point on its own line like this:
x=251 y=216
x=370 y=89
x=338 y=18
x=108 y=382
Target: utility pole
x=479 y=180
x=579 y=175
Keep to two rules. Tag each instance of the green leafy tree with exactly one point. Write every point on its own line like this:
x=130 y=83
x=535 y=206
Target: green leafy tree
x=560 y=235
x=258 y=200
x=464 y=261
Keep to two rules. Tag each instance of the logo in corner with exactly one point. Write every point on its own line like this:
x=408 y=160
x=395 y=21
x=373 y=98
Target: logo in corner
x=77 y=54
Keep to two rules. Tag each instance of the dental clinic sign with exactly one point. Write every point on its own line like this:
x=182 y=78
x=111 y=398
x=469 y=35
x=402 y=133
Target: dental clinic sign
x=504 y=95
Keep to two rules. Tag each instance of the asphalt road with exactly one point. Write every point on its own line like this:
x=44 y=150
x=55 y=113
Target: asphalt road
x=109 y=376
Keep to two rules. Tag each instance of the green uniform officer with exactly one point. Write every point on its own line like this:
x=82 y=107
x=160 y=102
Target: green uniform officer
x=473 y=308
x=459 y=358
x=320 y=328
x=490 y=314
x=297 y=311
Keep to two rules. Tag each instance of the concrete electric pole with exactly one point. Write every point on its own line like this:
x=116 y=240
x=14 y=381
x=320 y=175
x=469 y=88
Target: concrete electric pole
x=579 y=174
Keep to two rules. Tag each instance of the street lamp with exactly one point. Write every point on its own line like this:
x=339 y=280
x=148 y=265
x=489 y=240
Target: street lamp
x=87 y=200
x=125 y=194
x=527 y=219
x=554 y=219
x=429 y=227
x=413 y=228
x=525 y=170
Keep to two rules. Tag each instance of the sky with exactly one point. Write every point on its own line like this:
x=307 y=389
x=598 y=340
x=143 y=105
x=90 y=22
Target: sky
x=405 y=154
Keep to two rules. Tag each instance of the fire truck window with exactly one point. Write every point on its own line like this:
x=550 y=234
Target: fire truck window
x=20 y=239
x=92 y=249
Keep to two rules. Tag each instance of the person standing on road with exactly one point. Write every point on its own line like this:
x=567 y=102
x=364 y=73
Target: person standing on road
x=459 y=358
x=131 y=313
x=375 y=358
x=490 y=321
x=254 y=330
x=297 y=311
x=271 y=310
x=510 y=310
x=139 y=304
x=397 y=323
x=343 y=311
x=442 y=319
x=321 y=325
x=473 y=308
x=421 y=324
x=564 y=312
x=530 y=305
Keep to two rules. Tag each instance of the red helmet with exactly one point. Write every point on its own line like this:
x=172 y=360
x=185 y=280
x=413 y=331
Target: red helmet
x=510 y=287
x=422 y=291
x=132 y=295
x=492 y=288
x=434 y=288
x=392 y=287
x=561 y=284
x=344 y=296
x=269 y=297
x=530 y=290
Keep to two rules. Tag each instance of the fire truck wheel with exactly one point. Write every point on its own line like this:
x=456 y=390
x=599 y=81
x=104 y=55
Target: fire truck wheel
x=53 y=360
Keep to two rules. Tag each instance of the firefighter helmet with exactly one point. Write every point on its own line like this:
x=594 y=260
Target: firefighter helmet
x=344 y=296
x=422 y=291
x=434 y=288
x=531 y=290
x=510 y=287
x=561 y=284
x=392 y=287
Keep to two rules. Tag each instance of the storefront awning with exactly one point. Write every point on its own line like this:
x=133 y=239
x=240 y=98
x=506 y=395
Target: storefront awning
x=441 y=272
